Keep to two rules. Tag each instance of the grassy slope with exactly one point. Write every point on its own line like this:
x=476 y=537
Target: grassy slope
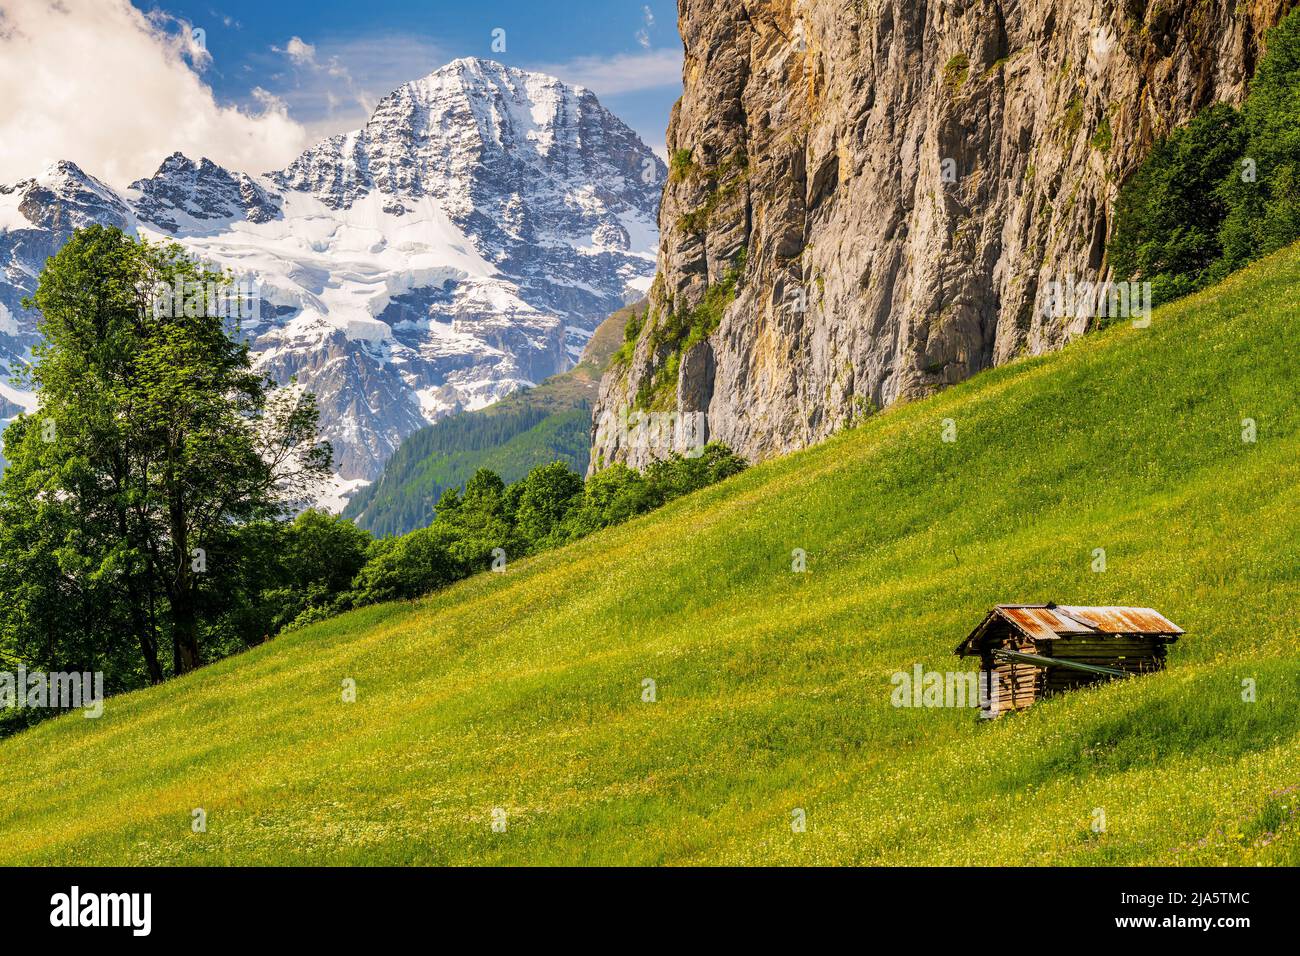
x=551 y=422
x=523 y=690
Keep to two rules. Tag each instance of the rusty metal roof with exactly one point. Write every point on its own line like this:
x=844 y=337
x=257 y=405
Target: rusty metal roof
x=1041 y=623
x=1049 y=622
x=1122 y=620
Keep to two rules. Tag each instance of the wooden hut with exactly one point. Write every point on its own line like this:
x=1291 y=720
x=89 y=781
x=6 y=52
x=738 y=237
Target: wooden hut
x=1030 y=651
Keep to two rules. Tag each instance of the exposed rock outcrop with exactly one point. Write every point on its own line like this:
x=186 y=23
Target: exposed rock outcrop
x=890 y=185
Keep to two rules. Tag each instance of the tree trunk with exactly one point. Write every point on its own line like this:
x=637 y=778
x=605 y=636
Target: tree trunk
x=149 y=649
x=185 y=625
x=144 y=628
x=145 y=633
x=185 y=632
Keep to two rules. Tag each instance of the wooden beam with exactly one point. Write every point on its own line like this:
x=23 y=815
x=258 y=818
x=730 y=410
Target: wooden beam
x=1038 y=660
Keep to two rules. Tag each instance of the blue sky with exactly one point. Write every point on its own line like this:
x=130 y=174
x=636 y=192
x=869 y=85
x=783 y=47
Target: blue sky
x=328 y=62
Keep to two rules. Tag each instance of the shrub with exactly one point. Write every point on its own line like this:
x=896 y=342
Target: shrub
x=677 y=475
x=407 y=567
x=678 y=332
x=631 y=332
x=611 y=497
x=679 y=165
x=955 y=72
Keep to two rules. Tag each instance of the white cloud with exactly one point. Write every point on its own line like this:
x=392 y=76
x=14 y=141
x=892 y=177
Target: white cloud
x=643 y=34
x=298 y=50
x=115 y=91
x=621 y=73
x=331 y=71
x=191 y=41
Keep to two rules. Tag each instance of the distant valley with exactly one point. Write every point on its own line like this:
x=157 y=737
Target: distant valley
x=535 y=426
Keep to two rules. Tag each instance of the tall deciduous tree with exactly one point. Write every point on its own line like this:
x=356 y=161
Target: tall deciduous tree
x=153 y=438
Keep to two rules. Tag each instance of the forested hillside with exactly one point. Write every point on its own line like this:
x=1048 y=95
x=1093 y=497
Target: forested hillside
x=551 y=422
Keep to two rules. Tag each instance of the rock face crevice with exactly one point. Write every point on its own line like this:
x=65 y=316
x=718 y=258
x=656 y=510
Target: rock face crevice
x=900 y=181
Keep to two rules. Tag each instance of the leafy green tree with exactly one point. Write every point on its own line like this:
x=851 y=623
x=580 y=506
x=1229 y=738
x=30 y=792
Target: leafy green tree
x=485 y=492
x=1170 y=212
x=677 y=475
x=270 y=575
x=409 y=566
x=545 y=499
x=324 y=552
x=481 y=522
x=63 y=584
x=1263 y=191
x=248 y=595
x=153 y=438
x=612 y=496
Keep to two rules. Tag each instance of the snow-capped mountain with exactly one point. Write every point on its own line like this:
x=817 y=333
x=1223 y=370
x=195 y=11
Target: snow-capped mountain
x=464 y=243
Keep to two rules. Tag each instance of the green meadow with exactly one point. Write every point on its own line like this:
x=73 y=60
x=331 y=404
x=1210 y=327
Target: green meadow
x=524 y=692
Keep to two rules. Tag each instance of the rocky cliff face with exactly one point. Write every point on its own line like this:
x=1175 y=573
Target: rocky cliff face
x=868 y=198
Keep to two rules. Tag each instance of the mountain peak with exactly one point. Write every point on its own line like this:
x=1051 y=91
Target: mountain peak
x=476 y=128
x=461 y=244
x=483 y=68
x=63 y=177
x=63 y=196
x=200 y=196
x=474 y=64
x=480 y=79
x=178 y=162
x=64 y=172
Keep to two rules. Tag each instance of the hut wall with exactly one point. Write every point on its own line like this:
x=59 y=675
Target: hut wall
x=1014 y=687
x=1135 y=655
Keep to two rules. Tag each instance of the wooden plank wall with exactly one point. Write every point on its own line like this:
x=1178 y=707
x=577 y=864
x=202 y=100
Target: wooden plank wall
x=1017 y=686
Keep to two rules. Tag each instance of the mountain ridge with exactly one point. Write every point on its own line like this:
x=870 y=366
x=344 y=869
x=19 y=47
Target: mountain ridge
x=462 y=244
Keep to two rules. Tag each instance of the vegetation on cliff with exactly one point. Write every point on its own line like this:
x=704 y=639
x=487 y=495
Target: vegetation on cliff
x=1221 y=191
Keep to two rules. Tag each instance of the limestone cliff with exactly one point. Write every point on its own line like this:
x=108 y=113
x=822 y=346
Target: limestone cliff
x=867 y=197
